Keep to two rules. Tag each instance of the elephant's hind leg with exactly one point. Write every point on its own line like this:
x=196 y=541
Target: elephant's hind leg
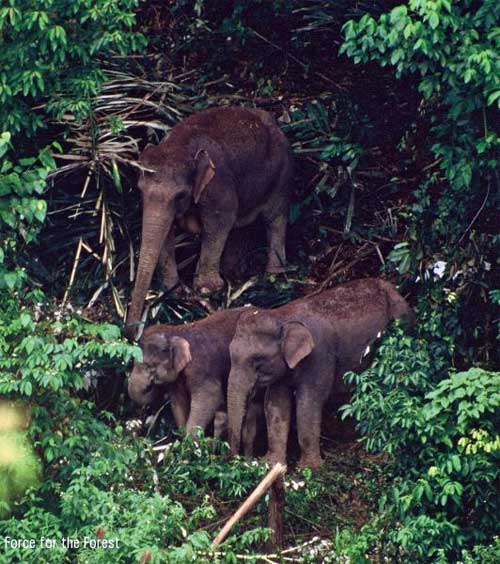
x=220 y=425
x=275 y=215
x=276 y=234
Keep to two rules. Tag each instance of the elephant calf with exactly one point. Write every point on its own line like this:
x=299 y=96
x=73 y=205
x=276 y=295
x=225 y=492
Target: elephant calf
x=306 y=346
x=217 y=169
x=193 y=360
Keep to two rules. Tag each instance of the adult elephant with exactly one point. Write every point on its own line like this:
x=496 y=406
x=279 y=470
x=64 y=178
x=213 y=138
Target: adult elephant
x=217 y=169
x=192 y=362
x=306 y=346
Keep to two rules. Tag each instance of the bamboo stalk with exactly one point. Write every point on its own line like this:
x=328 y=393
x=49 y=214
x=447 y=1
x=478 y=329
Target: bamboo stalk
x=73 y=272
x=268 y=480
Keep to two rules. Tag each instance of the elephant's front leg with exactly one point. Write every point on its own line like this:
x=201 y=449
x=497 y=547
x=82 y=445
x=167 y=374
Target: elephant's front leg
x=167 y=261
x=278 y=406
x=216 y=229
x=205 y=402
x=179 y=403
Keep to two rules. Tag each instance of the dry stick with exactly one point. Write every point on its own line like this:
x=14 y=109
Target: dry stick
x=277 y=471
x=296 y=60
x=477 y=214
x=231 y=297
x=360 y=255
x=333 y=267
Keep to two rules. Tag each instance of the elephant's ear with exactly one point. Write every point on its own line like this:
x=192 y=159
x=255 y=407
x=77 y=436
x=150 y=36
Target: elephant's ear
x=205 y=171
x=296 y=343
x=181 y=353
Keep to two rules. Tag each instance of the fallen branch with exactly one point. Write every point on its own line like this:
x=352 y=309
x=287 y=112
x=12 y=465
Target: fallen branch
x=293 y=554
x=277 y=471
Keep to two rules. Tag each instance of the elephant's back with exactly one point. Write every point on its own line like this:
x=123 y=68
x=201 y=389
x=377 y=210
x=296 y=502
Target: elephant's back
x=347 y=300
x=216 y=326
x=234 y=128
x=358 y=312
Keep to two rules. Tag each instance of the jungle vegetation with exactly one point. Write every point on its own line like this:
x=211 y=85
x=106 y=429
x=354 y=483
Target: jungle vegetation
x=392 y=112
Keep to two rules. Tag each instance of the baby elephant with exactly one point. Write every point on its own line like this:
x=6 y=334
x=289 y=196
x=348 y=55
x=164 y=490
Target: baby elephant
x=193 y=361
x=306 y=346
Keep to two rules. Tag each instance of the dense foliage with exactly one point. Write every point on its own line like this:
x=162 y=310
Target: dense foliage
x=392 y=112
x=50 y=55
x=442 y=436
x=453 y=51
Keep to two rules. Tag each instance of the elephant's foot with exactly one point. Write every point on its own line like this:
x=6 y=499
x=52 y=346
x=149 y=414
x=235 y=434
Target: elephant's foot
x=170 y=282
x=208 y=284
x=313 y=462
x=180 y=290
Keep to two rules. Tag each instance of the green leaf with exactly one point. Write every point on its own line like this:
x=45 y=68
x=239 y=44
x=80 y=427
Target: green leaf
x=469 y=73
x=493 y=97
x=40 y=210
x=456 y=462
x=11 y=279
x=434 y=20
x=25 y=319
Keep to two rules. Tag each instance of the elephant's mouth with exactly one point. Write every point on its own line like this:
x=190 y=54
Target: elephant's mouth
x=265 y=379
x=157 y=395
x=164 y=379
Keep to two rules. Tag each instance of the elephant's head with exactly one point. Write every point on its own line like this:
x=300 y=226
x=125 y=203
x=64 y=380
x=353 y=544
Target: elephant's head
x=262 y=351
x=165 y=356
x=169 y=183
x=141 y=387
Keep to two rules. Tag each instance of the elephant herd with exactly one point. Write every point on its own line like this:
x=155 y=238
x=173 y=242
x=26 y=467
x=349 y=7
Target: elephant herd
x=221 y=168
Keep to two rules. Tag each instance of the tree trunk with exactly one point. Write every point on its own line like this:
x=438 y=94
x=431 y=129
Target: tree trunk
x=276 y=511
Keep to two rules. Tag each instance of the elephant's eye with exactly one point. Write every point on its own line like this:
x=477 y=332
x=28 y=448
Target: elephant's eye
x=260 y=365
x=191 y=176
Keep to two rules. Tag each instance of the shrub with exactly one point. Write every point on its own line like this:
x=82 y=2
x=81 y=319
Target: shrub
x=63 y=71
x=441 y=433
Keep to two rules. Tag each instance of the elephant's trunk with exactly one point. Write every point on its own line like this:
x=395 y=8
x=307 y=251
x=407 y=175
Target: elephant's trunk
x=239 y=389
x=156 y=223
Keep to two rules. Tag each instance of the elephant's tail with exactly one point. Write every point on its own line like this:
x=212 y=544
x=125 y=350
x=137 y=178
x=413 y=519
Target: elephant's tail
x=398 y=306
